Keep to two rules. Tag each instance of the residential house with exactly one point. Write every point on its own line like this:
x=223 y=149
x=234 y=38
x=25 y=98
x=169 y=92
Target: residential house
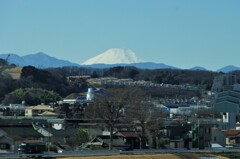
x=12 y=136
x=232 y=137
x=74 y=98
x=103 y=141
x=37 y=110
x=177 y=135
x=131 y=138
x=80 y=97
x=56 y=132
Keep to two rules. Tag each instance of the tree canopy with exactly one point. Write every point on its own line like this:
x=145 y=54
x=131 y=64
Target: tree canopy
x=82 y=136
x=31 y=96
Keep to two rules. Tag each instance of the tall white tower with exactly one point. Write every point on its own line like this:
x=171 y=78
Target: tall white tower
x=90 y=94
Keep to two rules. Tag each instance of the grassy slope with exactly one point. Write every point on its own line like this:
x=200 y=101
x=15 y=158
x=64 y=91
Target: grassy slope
x=14 y=72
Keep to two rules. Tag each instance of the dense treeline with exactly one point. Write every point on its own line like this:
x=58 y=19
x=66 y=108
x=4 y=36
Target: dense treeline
x=166 y=76
x=39 y=78
x=7 y=85
x=54 y=79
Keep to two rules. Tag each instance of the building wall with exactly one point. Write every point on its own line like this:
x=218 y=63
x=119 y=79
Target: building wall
x=228 y=102
x=28 y=112
x=218 y=137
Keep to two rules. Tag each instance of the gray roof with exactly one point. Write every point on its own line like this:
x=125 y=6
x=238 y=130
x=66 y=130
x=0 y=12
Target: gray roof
x=21 y=132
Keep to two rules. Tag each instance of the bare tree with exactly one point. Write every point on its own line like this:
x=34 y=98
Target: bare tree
x=145 y=117
x=154 y=125
x=109 y=107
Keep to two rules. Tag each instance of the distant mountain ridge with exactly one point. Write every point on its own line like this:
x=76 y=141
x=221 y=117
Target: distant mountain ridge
x=228 y=68
x=40 y=60
x=142 y=65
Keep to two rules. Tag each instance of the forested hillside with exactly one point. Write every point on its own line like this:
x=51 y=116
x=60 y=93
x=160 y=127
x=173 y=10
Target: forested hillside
x=55 y=79
x=34 y=85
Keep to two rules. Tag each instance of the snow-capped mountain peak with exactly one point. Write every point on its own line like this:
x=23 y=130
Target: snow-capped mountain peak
x=114 y=56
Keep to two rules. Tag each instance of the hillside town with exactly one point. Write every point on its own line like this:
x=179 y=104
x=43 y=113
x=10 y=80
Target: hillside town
x=125 y=114
x=122 y=79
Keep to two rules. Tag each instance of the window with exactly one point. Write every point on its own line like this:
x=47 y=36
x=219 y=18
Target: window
x=4 y=146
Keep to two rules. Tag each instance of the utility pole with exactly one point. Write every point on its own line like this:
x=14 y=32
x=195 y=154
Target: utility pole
x=48 y=137
x=198 y=134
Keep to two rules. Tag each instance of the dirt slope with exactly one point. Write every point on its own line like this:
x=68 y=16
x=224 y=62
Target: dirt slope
x=154 y=156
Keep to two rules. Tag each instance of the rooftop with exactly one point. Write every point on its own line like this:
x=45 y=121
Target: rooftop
x=231 y=132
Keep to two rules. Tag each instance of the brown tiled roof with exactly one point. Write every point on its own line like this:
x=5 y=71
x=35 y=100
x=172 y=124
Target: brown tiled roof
x=231 y=132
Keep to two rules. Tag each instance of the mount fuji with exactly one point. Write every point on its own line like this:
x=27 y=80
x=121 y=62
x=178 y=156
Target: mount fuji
x=122 y=57
x=115 y=56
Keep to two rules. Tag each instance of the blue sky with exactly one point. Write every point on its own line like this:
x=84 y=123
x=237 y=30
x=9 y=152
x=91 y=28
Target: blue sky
x=182 y=33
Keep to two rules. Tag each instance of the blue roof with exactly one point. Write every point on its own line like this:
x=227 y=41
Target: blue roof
x=81 y=98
